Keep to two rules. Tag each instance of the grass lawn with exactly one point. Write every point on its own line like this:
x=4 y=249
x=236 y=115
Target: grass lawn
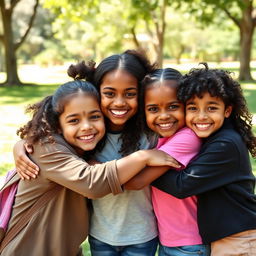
x=14 y=100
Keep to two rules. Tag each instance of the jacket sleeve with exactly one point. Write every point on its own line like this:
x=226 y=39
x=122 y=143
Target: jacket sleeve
x=213 y=168
x=59 y=164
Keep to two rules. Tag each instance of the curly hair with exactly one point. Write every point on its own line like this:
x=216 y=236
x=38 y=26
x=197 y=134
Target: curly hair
x=219 y=83
x=156 y=76
x=133 y=62
x=45 y=114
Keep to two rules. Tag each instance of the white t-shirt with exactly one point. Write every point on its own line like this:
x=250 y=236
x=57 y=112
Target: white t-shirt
x=126 y=218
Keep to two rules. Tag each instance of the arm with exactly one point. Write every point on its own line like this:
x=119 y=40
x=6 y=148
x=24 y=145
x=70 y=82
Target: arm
x=24 y=166
x=183 y=146
x=213 y=168
x=140 y=160
x=59 y=163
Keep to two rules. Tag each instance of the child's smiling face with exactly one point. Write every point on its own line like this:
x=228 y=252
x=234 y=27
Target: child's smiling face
x=164 y=113
x=82 y=123
x=206 y=115
x=119 y=98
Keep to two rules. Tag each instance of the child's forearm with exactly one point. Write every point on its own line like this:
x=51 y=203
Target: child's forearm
x=129 y=166
x=145 y=177
x=132 y=164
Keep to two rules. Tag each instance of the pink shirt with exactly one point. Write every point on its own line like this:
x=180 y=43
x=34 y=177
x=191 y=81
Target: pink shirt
x=177 y=218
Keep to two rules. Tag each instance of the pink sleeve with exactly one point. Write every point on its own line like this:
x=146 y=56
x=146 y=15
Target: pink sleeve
x=182 y=146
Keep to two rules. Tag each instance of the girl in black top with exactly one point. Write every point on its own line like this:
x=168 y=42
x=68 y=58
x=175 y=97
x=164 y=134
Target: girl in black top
x=221 y=176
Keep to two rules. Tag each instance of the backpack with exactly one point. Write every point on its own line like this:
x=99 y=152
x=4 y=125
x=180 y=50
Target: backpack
x=7 y=196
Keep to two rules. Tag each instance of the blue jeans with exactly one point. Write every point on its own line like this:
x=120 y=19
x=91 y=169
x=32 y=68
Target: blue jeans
x=193 y=250
x=99 y=248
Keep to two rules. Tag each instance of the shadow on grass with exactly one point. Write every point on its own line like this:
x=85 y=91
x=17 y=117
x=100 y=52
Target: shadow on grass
x=21 y=94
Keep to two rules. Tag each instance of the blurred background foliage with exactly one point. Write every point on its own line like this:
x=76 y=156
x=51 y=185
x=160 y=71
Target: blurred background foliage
x=68 y=30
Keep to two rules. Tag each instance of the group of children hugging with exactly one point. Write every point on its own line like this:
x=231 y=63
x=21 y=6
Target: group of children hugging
x=149 y=160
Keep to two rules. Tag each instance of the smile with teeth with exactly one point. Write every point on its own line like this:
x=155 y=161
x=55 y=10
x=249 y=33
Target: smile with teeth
x=118 y=112
x=86 y=137
x=165 y=126
x=202 y=126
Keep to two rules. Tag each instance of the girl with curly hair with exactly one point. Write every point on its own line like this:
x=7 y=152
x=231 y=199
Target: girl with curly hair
x=221 y=175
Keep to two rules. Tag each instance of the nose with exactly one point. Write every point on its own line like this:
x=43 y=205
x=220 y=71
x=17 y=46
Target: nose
x=202 y=115
x=119 y=101
x=164 y=116
x=86 y=125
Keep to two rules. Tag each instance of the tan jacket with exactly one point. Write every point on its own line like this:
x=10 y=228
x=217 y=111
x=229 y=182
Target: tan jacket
x=61 y=226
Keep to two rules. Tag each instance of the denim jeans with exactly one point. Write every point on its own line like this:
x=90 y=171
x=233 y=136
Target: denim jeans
x=193 y=250
x=99 y=248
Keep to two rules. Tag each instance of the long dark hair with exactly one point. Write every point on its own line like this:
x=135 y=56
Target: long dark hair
x=45 y=114
x=133 y=62
x=219 y=83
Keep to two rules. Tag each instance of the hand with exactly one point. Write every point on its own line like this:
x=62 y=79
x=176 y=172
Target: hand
x=24 y=166
x=160 y=158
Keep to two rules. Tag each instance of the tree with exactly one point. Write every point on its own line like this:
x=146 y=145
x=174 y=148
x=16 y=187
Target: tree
x=153 y=13
x=8 y=40
x=243 y=14
x=132 y=18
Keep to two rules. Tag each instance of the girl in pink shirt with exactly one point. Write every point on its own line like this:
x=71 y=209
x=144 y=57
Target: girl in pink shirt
x=164 y=114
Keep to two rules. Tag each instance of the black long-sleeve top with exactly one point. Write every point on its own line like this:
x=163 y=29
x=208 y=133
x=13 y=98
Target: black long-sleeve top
x=222 y=178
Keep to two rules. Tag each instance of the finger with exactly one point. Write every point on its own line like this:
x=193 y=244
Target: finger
x=174 y=163
x=23 y=175
x=28 y=164
x=20 y=174
x=28 y=171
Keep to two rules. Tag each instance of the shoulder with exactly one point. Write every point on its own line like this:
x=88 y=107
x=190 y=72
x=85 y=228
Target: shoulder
x=185 y=136
x=227 y=136
x=227 y=142
x=59 y=145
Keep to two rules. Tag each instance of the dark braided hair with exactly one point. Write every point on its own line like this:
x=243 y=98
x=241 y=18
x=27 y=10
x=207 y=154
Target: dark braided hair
x=156 y=76
x=219 y=83
x=45 y=119
x=131 y=61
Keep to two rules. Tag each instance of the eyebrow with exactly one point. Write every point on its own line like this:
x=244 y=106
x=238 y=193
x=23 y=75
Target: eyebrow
x=171 y=102
x=209 y=102
x=76 y=114
x=113 y=89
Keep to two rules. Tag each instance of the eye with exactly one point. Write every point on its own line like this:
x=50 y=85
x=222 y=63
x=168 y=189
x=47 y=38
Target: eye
x=152 y=109
x=173 y=107
x=73 y=121
x=96 y=117
x=212 y=108
x=131 y=94
x=191 y=108
x=108 y=94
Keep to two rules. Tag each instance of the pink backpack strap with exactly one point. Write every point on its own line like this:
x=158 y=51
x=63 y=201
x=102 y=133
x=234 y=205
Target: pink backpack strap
x=7 y=196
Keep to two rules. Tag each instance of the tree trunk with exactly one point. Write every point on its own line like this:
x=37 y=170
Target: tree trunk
x=10 y=51
x=246 y=34
x=245 y=55
x=160 y=56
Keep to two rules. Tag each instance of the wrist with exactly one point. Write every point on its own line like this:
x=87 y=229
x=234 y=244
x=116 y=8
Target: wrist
x=142 y=156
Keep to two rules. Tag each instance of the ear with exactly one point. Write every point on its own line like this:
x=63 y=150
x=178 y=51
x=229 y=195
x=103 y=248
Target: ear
x=228 y=111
